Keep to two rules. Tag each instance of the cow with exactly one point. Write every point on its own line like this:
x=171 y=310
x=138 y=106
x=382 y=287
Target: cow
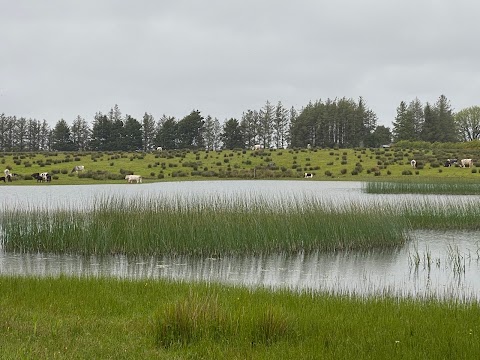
x=131 y=178
x=466 y=162
x=308 y=175
x=3 y=178
x=6 y=172
x=42 y=177
x=78 y=168
x=256 y=147
x=414 y=164
x=159 y=148
x=450 y=162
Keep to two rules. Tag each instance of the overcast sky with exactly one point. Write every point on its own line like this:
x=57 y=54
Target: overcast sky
x=62 y=58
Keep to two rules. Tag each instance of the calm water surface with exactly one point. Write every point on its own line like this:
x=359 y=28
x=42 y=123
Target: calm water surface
x=438 y=264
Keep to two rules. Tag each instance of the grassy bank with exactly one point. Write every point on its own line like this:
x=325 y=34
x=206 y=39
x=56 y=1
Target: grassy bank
x=99 y=318
x=155 y=227
x=326 y=164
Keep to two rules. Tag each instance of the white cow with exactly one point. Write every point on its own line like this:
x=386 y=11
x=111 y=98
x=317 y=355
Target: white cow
x=414 y=164
x=132 y=178
x=256 y=147
x=308 y=175
x=78 y=168
x=7 y=172
x=466 y=162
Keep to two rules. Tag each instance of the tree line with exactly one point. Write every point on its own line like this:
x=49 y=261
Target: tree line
x=331 y=123
x=436 y=122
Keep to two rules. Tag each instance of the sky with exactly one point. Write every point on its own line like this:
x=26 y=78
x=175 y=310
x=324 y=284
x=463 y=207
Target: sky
x=60 y=59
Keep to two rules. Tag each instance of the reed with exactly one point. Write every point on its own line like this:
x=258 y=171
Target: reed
x=441 y=215
x=438 y=187
x=85 y=318
x=158 y=226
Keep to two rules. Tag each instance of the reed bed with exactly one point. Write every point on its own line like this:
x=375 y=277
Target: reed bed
x=118 y=319
x=441 y=188
x=441 y=215
x=235 y=226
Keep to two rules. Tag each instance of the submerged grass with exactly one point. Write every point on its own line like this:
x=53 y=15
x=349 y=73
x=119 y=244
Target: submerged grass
x=86 y=318
x=154 y=227
x=438 y=187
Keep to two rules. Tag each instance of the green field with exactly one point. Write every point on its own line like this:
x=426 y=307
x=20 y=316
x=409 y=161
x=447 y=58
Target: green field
x=326 y=164
x=86 y=318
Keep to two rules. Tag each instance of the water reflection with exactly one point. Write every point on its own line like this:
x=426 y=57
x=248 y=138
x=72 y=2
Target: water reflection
x=435 y=264
x=85 y=196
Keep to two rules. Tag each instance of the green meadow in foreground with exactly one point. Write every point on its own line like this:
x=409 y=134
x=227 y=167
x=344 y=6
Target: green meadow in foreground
x=87 y=318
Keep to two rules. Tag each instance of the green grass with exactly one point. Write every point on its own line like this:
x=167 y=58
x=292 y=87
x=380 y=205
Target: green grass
x=339 y=164
x=443 y=188
x=86 y=318
x=158 y=226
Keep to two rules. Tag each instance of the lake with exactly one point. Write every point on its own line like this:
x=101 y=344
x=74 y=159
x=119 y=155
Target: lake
x=434 y=264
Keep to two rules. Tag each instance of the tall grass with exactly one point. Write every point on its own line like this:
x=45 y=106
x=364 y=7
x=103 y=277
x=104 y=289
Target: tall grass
x=439 y=187
x=87 y=318
x=158 y=226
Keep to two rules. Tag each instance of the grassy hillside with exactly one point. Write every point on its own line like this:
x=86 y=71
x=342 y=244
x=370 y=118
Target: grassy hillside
x=325 y=164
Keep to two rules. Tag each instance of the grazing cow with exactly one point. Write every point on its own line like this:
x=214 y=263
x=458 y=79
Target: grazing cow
x=466 y=162
x=308 y=175
x=6 y=172
x=414 y=164
x=2 y=178
x=42 y=177
x=159 y=148
x=131 y=178
x=450 y=162
x=78 y=168
x=256 y=147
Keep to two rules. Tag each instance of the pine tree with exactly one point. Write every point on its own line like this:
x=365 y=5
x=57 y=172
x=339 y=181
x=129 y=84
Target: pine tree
x=148 y=127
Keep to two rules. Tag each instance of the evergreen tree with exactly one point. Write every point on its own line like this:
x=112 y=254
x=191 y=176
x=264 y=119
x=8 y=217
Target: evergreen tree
x=429 y=132
x=232 y=135
x=45 y=136
x=403 y=125
x=212 y=133
x=133 y=139
x=117 y=135
x=417 y=118
x=166 y=135
x=280 y=126
x=190 y=131
x=61 y=137
x=80 y=133
x=101 y=133
x=266 y=116
x=249 y=124
x=148 y=127
x=446 y=128
x=20 y=134
x=33 y=134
